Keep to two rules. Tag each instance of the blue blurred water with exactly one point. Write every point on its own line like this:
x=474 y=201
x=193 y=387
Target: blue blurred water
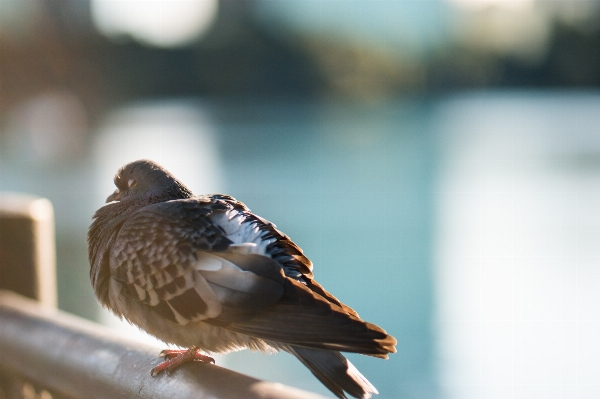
x=465 y=226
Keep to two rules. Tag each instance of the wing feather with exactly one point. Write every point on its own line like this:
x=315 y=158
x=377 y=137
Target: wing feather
x=252 y=283
x=302 y=317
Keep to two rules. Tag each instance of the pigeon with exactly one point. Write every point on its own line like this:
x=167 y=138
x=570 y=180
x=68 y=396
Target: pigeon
x=206 y=274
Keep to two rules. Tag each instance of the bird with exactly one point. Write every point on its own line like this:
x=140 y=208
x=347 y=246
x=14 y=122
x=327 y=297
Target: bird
x=204 y=273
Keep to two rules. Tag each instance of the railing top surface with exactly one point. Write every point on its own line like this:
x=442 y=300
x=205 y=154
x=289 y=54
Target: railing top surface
x=81 y=359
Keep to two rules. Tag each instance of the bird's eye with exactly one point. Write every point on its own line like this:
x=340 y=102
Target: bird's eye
x=131 y=183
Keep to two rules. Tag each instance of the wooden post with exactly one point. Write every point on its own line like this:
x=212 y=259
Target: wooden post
x=27 y=248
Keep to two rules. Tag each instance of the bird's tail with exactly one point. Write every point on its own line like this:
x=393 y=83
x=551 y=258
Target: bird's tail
x=334 y=371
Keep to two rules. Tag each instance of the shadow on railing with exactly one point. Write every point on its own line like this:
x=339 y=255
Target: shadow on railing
x=49 y=354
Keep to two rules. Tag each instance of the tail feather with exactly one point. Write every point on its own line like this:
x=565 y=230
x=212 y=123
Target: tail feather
x=334 y=371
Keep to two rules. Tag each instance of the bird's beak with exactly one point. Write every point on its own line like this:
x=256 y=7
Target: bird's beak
x=113 y=197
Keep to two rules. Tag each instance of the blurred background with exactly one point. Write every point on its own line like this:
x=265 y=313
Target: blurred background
x=438 y=160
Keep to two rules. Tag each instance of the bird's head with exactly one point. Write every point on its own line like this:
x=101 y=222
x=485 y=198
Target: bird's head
x=146 y=181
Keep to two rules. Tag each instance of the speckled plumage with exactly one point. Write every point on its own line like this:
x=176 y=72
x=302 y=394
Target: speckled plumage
x=203 y=271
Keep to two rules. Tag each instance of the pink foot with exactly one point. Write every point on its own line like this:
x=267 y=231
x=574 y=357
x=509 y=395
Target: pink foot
x=177 y=357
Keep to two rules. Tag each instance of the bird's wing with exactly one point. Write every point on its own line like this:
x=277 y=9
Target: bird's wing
x=306 y=314
x=177 y=258
x=283 y=250
x=171 y=256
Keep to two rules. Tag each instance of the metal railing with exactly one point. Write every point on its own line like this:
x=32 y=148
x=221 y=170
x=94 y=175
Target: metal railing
x=49 y=354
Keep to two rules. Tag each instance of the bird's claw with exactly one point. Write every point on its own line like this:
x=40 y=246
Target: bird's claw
x=177 y=357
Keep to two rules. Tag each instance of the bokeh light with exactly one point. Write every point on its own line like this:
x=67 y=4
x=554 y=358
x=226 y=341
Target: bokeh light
x=507 y=4
x=162 y=23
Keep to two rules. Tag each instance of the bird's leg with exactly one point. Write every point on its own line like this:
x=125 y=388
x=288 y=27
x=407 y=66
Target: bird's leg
x=176 y=357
